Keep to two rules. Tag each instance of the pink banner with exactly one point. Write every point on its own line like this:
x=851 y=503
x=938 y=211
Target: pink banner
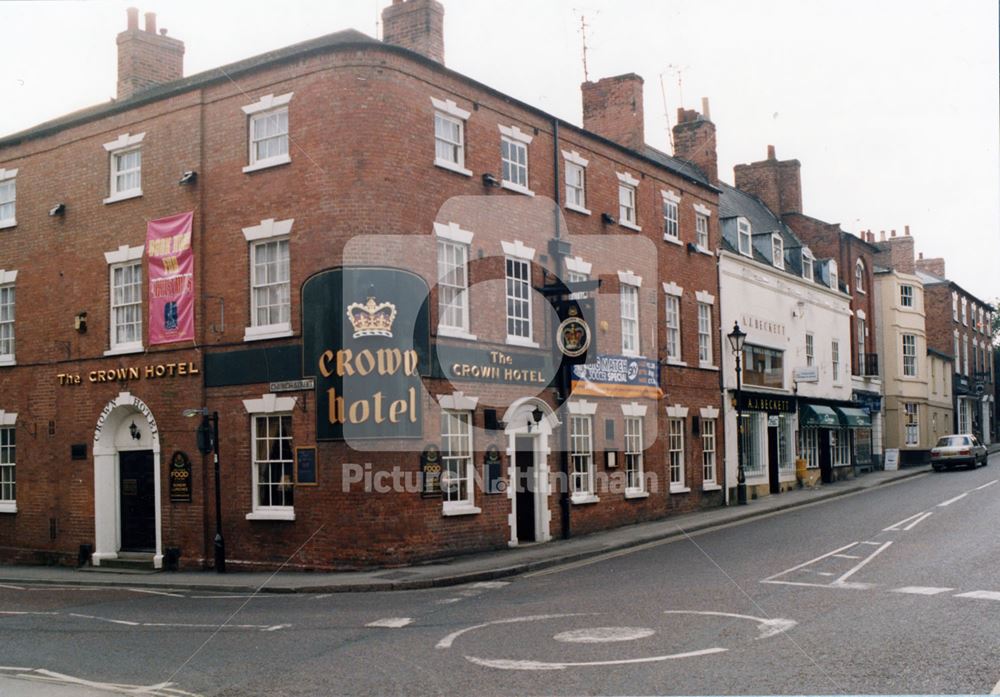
x=171 y=279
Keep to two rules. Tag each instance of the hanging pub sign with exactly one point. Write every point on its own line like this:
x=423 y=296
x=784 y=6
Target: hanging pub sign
x=180 y=478
x=171 y=279
x=573 y=335
x=430 y=471
x=365 y=335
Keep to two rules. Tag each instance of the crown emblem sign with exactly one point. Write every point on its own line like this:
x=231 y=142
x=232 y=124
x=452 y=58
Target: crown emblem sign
x=371 y=318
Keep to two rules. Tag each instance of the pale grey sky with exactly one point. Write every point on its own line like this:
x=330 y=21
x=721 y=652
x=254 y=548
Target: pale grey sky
x=890 y=105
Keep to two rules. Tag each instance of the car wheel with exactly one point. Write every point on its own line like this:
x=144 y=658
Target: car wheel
x=973 y=463
x=937 y=468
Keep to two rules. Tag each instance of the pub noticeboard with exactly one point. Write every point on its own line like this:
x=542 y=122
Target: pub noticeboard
x=180 y=478
x=305 y=466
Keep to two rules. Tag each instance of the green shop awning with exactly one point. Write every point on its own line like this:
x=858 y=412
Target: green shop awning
x=818 y=415
x=852 y=417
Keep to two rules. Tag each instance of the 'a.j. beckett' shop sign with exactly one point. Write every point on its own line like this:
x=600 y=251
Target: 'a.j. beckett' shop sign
x=366 y=340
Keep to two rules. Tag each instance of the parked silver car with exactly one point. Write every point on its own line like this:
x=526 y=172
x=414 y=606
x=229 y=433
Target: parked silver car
x=961 y=449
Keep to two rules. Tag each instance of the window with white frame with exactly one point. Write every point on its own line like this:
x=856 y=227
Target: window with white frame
x=626 y=205
x=965 y=355
x=807 y=265
x=273 y=479
x=449 y=135
x=270 y=284
x=634 y=479
x=8 y=197
x=906 y=295
x=750 y=433
x=809 y=446
x=675 y=450
x=701 y=230
x=125 y=267
x=673 y=317
x=911 y=423
x=840 y=446
x=514 y=158
x=859 y=276
x=963 y=416
x=909 y=355
x=518 y=298
x=834 y=278
x=965 y=313
x=453 y=285
x=8 y=480
x=835 y=359
x=456 y=455
x=954 y=306
x=785 y=461
x=708 y=451
x=671 y=219
x=630 y=319
x=582 y=454
x=577 y=271
x=268 y=132
x=125 y=165
x=7 y=312
x=704 y=333
x=810 y=350
x=744 y=235
x=862 y=328
x=778 y=251
x=576 y=181
x=956 y=354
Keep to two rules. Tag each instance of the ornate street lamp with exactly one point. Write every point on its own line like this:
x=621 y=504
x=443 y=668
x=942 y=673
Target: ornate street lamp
x=736 y=339
x=212 y=421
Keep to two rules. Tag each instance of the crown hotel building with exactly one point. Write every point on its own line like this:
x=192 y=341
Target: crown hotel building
x=411 y=316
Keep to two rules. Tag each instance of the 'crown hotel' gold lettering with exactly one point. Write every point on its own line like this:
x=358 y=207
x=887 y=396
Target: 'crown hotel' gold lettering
x=382 y=362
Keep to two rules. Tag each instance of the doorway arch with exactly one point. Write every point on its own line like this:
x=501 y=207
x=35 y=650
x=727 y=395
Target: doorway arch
x=516 y=419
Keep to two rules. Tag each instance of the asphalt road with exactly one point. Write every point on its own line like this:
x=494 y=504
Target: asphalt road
x=893 y=590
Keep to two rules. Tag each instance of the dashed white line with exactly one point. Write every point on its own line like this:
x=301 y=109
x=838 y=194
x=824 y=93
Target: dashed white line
x=153 y=592
x=847 y=556
x=807 y=563
x=923 y=517
x=951 y=501
x=922 y=590
x=862 y=564
x=491 y=585
x=391 y=622
x=904 y=521
x=16 y=588
x=986 y=485
x=980 y=595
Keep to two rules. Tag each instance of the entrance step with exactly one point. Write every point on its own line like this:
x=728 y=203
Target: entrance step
x=126 y=563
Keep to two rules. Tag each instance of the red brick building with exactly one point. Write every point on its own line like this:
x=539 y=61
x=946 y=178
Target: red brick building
x=374 y=238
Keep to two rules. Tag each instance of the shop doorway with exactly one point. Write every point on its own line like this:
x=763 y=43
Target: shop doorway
x=525 y=486
x=773 y=466
x=825 y=456
x=137 y=494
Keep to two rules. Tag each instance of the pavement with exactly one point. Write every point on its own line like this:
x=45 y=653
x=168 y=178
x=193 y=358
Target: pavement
x=470 y=568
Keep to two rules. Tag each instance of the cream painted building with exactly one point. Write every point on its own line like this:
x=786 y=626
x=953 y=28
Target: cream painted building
x=939 y=398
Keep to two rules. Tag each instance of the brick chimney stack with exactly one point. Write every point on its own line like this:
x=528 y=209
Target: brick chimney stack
x=145 y=58
x=897 y=252
x=778 y=183
x=933 y=266
x=694 y=140
x=417 y=25
x=612 y=108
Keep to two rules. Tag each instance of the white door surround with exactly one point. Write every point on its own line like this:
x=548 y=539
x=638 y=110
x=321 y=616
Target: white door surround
x=125 y=423
x=516 y=419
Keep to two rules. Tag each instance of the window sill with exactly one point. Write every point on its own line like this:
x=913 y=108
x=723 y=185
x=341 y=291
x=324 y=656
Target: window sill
x=511 y=186
x=676 y=361
x=708 y=366
x=636 y=494
x=455 y=333
x=7 y=223
x=123 y=196
x=521 y=341
x=124 y=349
x=580 y=499
x=675 y=489
x=270 y=331
x=7 y=361
x=464 y=509
x=578 y=209
x=630 y=226
x=268 y=163
x=8 y=507
x=710 y=487
x=703 y=250
x=452 y=167
x=271 y=515
x=672 y=240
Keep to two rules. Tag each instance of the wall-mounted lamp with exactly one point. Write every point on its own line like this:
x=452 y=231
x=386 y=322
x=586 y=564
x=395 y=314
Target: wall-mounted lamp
x=490 y=180
x=692 y=247
x=608 y=219
x=134 y=431
x=536 y=418
x=80 y=322
x=189 y=177
x=58 y=209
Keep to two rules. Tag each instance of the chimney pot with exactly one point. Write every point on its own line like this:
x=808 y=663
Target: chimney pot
x=770 y=153
x=893 y=233
x=146 y=58
x=882 y=235
x=704 y=109
x=133 y=18
x=150 y=22
x=907 y=228
x=920 y=255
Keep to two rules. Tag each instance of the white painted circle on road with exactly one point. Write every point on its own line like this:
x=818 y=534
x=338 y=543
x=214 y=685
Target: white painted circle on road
x=603 y=635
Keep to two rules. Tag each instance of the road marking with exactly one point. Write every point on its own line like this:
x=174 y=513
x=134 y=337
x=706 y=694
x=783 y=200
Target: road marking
x=980 y=595
x=321 y=596
x=862 y=564
x=508 y=664
x=876 y=544
x=951 y=501
x=152 y=592
x=447 y=601
x=922 y=590
x=807 y=563
x=163 y=689
x=767 y=627
x=847 y=556
x=16 y=588
x=824 y=573
x=986 y=485
x=904 y=521
x=603 y=635
x=25 y=612
x=491 y=585
x=996 y=689
x=391 y=622
x=447 y=641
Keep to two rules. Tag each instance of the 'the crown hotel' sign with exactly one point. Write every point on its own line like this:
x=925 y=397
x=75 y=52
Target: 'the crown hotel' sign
x=366 y=340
